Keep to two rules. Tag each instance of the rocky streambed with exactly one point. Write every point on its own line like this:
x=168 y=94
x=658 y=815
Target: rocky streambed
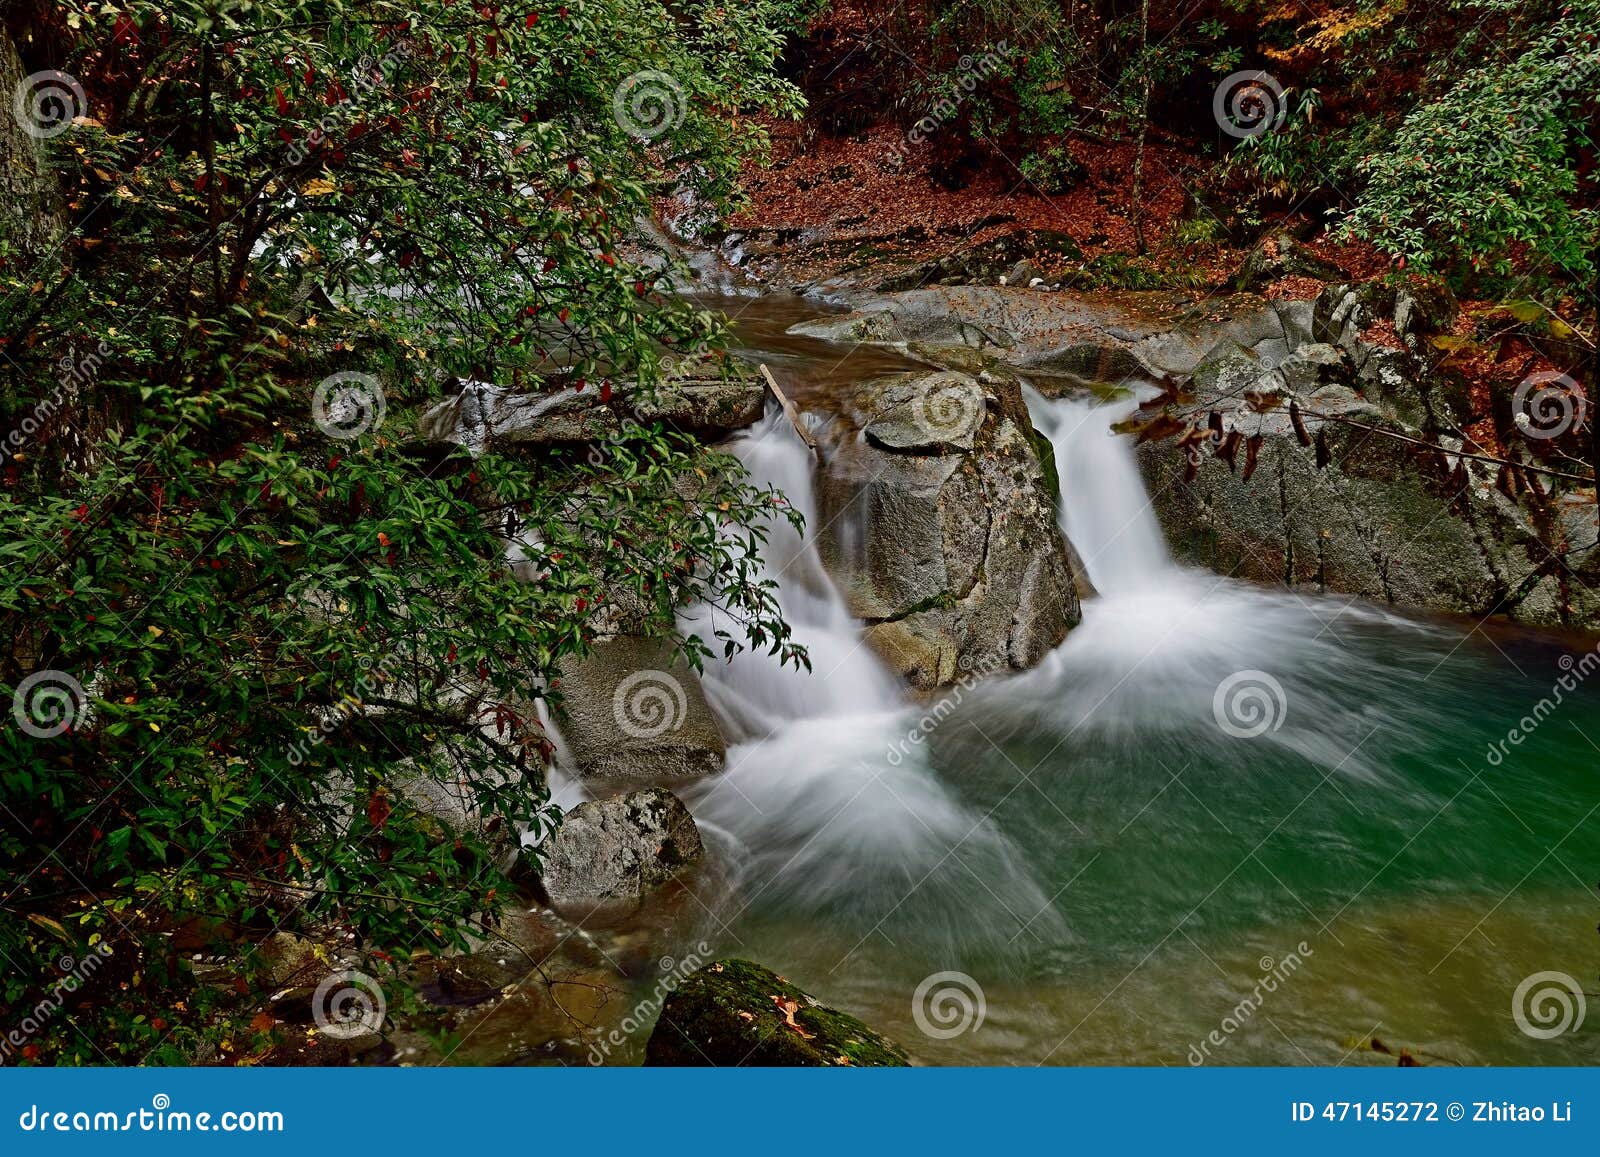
x=1014 y=765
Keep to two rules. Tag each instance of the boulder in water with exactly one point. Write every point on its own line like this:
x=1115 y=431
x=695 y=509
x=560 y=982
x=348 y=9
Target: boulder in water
x=945 y=537
x=733 y=1013
x=610 y=854
x=634 y=710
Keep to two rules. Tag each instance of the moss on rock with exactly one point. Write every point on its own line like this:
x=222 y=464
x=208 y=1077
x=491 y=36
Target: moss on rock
x=735 y=1013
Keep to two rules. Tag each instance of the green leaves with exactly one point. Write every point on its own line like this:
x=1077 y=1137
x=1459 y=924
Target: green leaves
x=272 y=623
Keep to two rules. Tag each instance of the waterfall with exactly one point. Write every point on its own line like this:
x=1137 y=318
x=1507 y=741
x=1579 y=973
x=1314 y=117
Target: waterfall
x=1167 y=648
x=826 y=806
x=1104 y=510
x=757 y=694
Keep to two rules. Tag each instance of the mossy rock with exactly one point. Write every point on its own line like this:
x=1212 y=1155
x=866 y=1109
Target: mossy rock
x=735 y=1013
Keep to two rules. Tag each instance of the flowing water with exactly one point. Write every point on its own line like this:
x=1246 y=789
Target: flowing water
x=1219 y=824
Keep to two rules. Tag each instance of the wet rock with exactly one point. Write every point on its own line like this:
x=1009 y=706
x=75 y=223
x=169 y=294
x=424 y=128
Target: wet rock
x=735 y=1013
x=951 y=554
x=1313 y=366
x=933 y=414
x=1023 y=273
x=482 y=413
x=985 y=262
x=290 y=959
x=633 y=710
x=610 y=854
x=875 y=326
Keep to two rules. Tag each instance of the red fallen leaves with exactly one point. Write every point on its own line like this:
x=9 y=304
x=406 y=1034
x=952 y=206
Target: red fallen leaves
x=283 y=101
x=383 y=539
x=789 y=1008
x=533 y=18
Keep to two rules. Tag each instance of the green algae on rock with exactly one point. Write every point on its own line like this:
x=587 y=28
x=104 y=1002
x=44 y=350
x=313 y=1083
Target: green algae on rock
x=735 y=1013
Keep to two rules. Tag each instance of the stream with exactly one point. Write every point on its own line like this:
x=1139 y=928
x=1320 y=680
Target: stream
x=1220 y=823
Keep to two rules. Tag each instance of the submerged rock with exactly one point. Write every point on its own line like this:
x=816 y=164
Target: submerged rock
x=634 y=710
x=610 y=854
x=735 y=1013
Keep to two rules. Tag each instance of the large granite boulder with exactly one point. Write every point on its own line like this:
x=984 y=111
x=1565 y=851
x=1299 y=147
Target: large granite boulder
x=734 y=1013
x=943 y=529
x=632 y=709
x=609 y=855
x=1367 y=510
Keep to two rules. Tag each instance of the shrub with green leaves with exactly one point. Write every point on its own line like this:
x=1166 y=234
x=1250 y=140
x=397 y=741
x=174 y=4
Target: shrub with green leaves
x=1485 y=179
x=241 y=640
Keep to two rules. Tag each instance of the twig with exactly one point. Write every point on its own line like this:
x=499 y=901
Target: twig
x=791 y=412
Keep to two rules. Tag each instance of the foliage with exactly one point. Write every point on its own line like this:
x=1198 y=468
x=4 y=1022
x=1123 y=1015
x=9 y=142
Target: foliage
x=284 y=637
x=1486 y=177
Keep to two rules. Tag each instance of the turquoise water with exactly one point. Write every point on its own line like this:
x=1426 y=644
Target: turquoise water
x=1116 y=871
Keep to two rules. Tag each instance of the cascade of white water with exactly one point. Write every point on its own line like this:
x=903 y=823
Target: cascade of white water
x=1104 y=510
x=827 y=803
x=1165 y=646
